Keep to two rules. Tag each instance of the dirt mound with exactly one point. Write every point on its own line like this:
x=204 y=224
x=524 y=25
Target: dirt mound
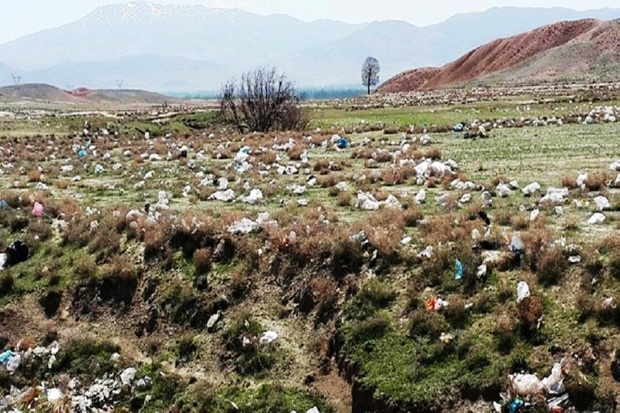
x=410 y=80
x=552 y=52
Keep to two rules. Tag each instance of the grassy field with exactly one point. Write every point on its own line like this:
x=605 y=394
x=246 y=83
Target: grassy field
x=345 y=289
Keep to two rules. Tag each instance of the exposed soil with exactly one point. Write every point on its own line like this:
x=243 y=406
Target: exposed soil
x=554 y=44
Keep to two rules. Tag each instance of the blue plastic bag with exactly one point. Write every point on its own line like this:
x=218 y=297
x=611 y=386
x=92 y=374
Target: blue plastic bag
x=459 y=270
x=5 y=356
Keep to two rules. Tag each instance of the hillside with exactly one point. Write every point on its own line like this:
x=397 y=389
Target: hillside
x=47 y=93
x=38 y=92
x=409 y=80
x=563 y=50
x=594 y=55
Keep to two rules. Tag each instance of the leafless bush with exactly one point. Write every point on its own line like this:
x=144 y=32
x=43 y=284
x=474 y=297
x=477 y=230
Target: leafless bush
x=262 y=101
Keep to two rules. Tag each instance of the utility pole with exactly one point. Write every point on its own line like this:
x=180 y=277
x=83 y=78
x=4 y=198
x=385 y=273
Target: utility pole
x=16 y=79
x=119 y=83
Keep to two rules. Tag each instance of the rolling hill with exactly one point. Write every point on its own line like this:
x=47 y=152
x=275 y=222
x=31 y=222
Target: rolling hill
x=48 y=93
x=575 y=50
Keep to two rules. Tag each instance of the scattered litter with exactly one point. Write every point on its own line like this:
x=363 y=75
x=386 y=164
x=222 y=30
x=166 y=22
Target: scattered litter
x=367 y=202
x=268 y=337
x=516 y=243
x=608 y=303
x=224 y=196
x=128 y=375
x=515 y=406
x=427 y=253
x=38 y=211
x=503 y=190
x=602 y=203
x=254 y=196
x=213 y=321
x=525 y=384
x=554 y=196
x=53 y=395
x=392 y=202
x=245 y=226
x=16 y=253
x=458 y=270
x=297 y=189
x=420 y=197
x=523 y=291
x=581 y=179
x=433 y=304
x=484 y=217
x=596 y=218
x=13 y=363
x=4 y=357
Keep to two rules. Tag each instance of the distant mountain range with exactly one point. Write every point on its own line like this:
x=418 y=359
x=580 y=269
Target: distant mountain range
x=575 y=51
x=190 y=48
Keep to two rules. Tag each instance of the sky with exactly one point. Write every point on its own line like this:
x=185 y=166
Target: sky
x=21 y=17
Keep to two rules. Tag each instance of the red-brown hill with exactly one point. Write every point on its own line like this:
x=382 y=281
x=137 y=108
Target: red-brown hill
x=409 y=80
x=558 y=51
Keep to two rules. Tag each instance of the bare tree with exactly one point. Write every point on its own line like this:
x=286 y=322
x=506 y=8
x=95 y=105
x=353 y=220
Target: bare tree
x=262 y=101
x=370 y=72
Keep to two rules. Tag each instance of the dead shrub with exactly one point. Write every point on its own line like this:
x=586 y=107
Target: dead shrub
x=596 y=181
x=412 y=214
x=519 y=222
x=34 y=175
x=433 y=153
x=345 y=199
x=203 y=261
x=40 y=230
x=503 y=217
x=295 y=153
x=530 y=310
x=327 y=181
x=269 y=157
x=536 y=241
x=382 y=156
x=551 y=266
x=321 y=166
x=505 y=329
x=456 y=314
x=105 y=242
x=569 y=182
x=77 y=232
x=431 y=183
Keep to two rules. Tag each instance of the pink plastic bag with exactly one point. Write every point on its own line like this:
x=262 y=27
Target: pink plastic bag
x=37 y=211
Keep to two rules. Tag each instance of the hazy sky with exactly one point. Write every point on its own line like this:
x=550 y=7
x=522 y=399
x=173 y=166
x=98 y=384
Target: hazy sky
x=20 y=17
